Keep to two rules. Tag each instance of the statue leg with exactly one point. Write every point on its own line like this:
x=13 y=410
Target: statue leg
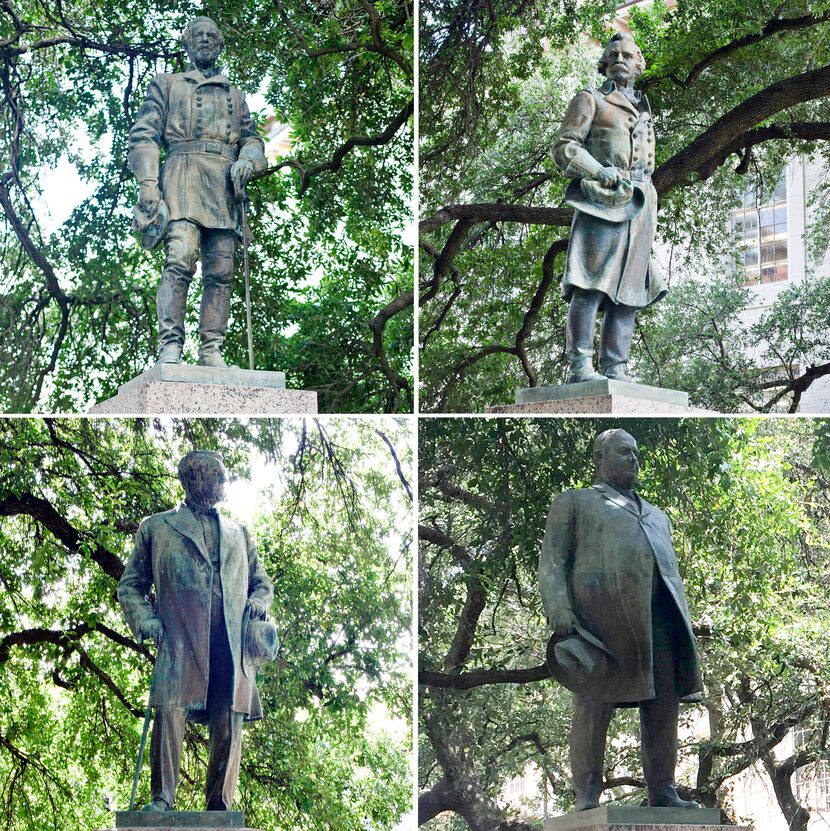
x=225 y=725
x=579 y=335
x=218 y=247
x=588 y=731
x=658 y=717
x=181 y=247
x=165 y=756
x=615 y=341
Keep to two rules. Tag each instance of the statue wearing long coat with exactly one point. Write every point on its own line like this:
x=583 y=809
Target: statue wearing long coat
x=207 y=117
x=599 y=559
x=602 y=128
x=170 y=554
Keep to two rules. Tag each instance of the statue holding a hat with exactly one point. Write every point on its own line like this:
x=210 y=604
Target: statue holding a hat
x=208 y=623
x=606 y=144
x=622 y=634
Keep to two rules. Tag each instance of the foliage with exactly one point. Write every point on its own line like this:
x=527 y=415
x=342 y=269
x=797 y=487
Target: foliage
x=331 y=529
x=750 y=529
x=494 y=227
x=77 y=300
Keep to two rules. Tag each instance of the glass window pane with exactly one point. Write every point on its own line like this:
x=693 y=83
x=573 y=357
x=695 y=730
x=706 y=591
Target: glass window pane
x=751 y=256
x=781 y=251
x=767 y=233
x=781 y=230
x=767 y=254
x=780 y=194
x=782 y=271
x=767 y=216
x=768 y=274
x=781 y=215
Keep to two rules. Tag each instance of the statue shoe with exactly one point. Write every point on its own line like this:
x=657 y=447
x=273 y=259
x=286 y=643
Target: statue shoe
x=616 y=372
x=158 y=804
x=212 y=358
x=667 y=797
x=581 y=370
x=170 y=353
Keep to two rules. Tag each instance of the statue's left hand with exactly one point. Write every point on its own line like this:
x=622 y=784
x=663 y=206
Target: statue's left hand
x=241 y=171
x=256 y=609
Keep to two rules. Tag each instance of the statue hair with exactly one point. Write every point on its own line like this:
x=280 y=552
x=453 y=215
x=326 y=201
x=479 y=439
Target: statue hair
x=639 y=60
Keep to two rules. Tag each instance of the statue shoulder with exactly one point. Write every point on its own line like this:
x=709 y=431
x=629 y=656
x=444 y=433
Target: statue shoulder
x=150 y=523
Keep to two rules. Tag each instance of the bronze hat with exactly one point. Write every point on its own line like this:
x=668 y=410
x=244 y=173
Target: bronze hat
x=618 y=204
x=580 y=662
x=259 y=644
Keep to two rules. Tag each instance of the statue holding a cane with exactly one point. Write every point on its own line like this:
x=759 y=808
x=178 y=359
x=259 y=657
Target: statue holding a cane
x=195 y=201
x=208 y=624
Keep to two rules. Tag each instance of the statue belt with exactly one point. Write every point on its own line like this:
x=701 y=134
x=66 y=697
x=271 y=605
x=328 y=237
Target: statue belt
x=213 y=148
x=639 y=176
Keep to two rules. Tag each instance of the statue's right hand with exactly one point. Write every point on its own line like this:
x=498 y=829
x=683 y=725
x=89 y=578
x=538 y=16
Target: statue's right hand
x=149 y=196
x=608 y=176
x=152 y=630
x=563 y=621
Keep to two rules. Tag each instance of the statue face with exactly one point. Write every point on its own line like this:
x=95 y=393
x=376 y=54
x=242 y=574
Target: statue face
x=620 y=462
x=621 y=59
x=204 y=44
x=207 y=483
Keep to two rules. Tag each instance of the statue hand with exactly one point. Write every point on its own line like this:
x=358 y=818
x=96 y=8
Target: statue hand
x=608 y=176
x=149 y=197
x=256 y=609
x=563 y=621
x=241 y=171
x=152 y=630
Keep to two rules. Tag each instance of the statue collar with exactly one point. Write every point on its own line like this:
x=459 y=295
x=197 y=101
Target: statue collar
x=613 y=495
x=195 y=76
x=615 y=94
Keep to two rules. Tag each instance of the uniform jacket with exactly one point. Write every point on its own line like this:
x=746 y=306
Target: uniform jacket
x=602 y=128
x=598 y=560
x=187 y=106
x=170 y=554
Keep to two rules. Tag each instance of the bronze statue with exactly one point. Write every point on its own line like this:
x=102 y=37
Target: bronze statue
x=623 y=637
x=203 y=124
x=606 y=143
x=208 y=624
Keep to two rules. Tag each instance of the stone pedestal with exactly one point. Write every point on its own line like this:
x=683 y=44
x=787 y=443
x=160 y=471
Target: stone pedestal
x=603 y=396
x=171 y=820
x=634 y=818
x=182 y=389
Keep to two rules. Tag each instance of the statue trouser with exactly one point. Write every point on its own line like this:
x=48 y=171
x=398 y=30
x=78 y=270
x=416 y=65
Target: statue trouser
x=615 y=337
x=182 y=244
x=225 y=731
x=658 y=722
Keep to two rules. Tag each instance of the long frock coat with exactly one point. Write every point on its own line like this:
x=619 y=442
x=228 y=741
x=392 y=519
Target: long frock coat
x=598 y=560
x=603 y=128
x=185 y=107
x=170 y=554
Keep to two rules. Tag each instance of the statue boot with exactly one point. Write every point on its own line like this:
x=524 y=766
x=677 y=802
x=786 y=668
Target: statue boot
x=217 y=278
x=666 y=796
x=158 y=804
x=579 y=336
x=615 y=341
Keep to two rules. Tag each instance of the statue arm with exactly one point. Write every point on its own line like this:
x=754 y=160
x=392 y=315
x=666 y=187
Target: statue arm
x=144 y=152
x=555 y=563
x=569 y=152
x=260 y=587
x=135 y=585
x=251 y=146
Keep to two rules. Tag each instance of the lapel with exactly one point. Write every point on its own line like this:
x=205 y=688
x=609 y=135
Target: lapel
x=619 y=500
x=185 y=523
x=614 y=96
x=225 y=528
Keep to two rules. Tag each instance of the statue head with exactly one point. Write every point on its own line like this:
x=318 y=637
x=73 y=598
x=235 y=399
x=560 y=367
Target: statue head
x=622 y=61
x=203 y=476
x=617 y=458
x=203 y=42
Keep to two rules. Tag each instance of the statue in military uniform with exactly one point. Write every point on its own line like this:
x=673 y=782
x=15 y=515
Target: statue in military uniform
x=606 y=143
x=208 y=623
x=190 y=202
x=622 y=634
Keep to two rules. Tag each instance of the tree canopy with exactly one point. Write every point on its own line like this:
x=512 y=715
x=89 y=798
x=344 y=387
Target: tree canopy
x=737 y=90
x=332 y=525
x=331 y=275
x=748 y=499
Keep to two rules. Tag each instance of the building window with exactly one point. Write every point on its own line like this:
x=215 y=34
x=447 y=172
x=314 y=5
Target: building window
x=760 y=228
x=812 y=781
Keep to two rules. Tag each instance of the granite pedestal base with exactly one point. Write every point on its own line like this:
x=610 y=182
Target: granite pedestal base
x=604 y=396
x=182 y=389
x=634 y=818
x=171 y=820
